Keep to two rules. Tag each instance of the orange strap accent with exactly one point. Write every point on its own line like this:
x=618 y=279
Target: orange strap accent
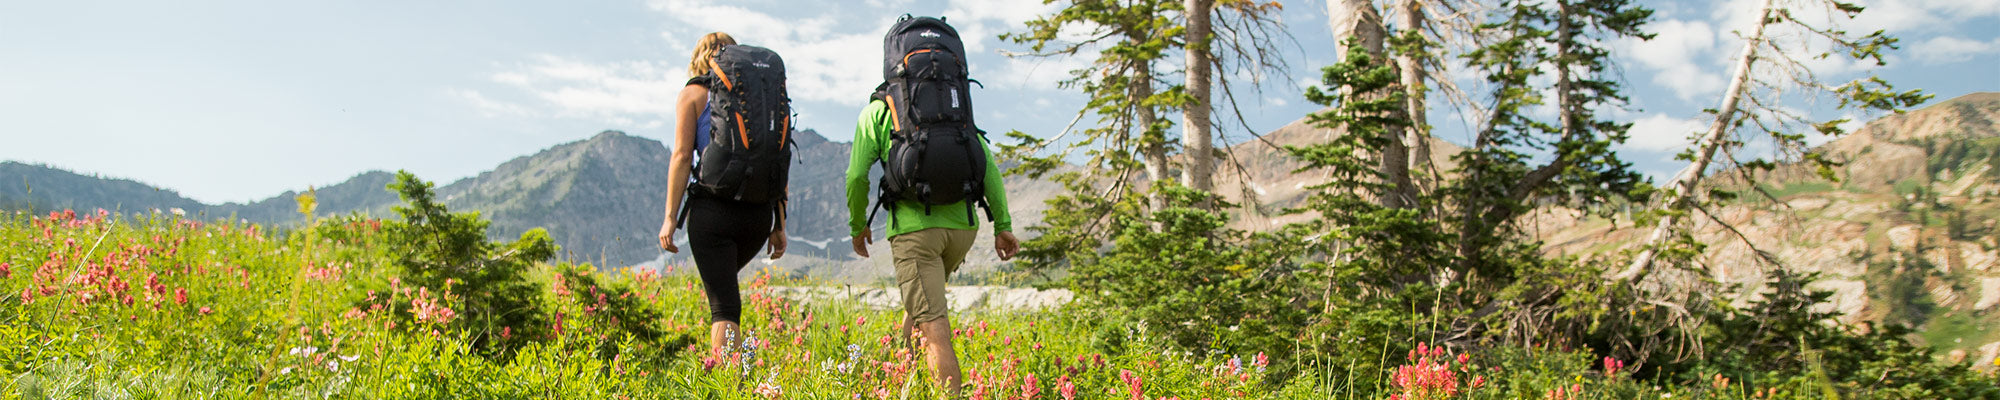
x=725 y=77
x=785 y=130
x=740 y=131
x=906 y=57
x=892 y=112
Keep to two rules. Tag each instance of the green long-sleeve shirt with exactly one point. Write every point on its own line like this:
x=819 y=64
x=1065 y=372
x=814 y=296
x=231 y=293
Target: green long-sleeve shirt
x=871 y=145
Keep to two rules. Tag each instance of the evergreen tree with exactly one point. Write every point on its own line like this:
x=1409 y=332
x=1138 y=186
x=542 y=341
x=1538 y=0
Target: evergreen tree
x=446 y=261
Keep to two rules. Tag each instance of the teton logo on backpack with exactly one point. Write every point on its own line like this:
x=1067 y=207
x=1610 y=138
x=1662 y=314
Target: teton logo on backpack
x=750 y=155
x=935 y=154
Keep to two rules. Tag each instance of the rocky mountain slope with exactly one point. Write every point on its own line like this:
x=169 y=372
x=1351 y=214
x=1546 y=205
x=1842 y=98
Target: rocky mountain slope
x=1906 y=235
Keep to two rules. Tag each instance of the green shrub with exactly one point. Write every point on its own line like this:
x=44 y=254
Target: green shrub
x=452 y=277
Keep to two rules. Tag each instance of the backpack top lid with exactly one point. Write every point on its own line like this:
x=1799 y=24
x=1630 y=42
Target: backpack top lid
x=916 y=33
x=750 y=62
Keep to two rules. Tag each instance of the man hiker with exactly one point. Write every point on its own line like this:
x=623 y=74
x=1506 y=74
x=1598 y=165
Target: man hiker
x=936 y=169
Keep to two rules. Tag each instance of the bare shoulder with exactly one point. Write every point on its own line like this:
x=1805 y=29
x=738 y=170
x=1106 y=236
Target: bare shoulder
x=694 y=93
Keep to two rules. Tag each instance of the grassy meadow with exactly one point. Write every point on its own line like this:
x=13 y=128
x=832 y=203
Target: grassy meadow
x=154 y=305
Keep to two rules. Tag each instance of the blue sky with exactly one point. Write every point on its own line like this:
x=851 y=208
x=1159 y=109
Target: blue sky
x=240 y=100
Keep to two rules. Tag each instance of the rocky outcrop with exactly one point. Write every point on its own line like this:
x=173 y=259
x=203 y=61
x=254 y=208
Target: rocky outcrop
x=1989 y=293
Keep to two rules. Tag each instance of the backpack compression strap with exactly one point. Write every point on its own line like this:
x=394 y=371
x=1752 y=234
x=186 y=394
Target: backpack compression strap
x=731 y=86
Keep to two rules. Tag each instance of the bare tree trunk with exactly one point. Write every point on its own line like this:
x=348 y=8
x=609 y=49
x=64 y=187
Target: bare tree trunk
x=1195 y=126
x=1358 y=20
x=1153 y=149
x=1565 y=83
x=1416 y=137
x=1680 y=191
x=1355 y=19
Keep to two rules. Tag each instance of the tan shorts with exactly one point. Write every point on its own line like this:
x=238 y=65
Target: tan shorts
x=924 y=259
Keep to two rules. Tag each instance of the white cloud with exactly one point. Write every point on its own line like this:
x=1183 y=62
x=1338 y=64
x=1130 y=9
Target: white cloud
x=820 y=53
x=1891 y=15
x=1682 y=56
x=1659 y=132
x=980 y=21
x=489 y=107
x=1950 y=49
x=1031 y=73
x=623 y=94
x=1967 y=9
x=887 y=3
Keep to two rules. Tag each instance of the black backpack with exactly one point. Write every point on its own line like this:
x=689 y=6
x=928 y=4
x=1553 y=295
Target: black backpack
x=749 y=153
x=935 y=155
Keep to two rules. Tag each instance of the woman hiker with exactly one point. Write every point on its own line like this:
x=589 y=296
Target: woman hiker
x=729 y=215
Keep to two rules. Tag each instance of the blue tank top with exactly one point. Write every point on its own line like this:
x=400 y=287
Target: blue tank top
x=701 y=128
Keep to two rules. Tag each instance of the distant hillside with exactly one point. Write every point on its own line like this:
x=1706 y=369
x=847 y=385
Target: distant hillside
x=39 y=187
x=602 y=199
x=1907 y=234
x=1266 y=174
x=362 y=193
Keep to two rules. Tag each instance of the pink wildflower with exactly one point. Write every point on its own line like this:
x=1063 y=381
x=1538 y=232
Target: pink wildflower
x=1133 y=383
x=1030 y=387
x=1066 y=388
x=205 y=310
x=769 y=391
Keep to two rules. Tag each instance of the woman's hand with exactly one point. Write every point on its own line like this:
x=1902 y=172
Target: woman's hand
x=778 y=242
x=667 y=237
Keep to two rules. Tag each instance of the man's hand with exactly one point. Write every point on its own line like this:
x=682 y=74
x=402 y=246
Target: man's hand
x=778 y=241
x=1005 y=245
x=667 y=237
x=861 y=242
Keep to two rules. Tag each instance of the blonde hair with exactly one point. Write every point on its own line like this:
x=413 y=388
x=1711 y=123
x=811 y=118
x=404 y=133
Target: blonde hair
x=704 y=52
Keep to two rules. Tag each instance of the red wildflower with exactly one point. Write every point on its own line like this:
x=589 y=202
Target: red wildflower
x=1066 y=388
x=180 y=296
x=205 y=310
x=6 y=270
x=1133 y=383
x=559 y=323
x=1030 y=387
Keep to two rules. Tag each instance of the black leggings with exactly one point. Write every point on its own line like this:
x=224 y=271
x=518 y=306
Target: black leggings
x=724 y=236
